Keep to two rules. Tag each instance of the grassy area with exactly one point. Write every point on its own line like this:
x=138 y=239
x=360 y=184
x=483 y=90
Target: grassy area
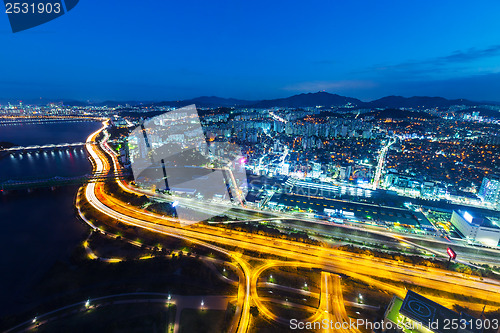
x=107 y=247
x=186 y=275
x=269 y=230
x=141 y=317
x=294 y=277
x=352 y=288
x=202 y=321
x=261 y=325
x=290 y=296
x=227 y=271
x=287 y=312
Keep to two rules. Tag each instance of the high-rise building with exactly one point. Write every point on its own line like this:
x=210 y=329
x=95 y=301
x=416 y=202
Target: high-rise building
x=316 y=170
x=124 y=154
x=490 y=190
x=285 y=169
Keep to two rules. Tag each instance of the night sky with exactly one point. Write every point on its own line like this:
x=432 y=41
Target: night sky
x=167 y=50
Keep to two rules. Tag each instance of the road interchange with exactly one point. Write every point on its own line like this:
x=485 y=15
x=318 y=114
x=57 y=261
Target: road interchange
x=305 y=255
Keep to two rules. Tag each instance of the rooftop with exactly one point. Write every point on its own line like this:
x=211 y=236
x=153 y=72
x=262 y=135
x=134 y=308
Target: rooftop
x=431 y=314
x=478 y=220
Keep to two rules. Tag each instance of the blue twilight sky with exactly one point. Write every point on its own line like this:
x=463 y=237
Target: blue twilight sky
x=165 y=49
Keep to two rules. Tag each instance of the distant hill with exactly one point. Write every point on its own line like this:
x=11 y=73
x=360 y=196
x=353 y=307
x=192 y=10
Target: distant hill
x=322 y=99
x=309 y=100
x=296 y=101
x=415 y=102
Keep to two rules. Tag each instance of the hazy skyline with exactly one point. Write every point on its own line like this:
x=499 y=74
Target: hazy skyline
x=255 y=50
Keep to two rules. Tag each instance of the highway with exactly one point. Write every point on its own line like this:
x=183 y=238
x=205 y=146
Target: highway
x=364 y=267
x=431 y=245
x=380 y=163
x=101 y=164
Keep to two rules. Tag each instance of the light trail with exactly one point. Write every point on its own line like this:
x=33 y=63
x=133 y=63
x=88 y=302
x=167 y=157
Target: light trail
x=101 y=165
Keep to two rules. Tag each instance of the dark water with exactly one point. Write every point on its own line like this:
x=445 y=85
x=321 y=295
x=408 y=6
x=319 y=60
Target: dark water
x=39 y=227
x=46 y=164
x=62 y=132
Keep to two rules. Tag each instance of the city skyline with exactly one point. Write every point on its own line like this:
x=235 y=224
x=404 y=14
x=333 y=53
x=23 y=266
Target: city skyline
x=309 y=99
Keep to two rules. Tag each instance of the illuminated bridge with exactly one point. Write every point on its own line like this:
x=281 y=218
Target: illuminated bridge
x=31 y=183
x=45 y=147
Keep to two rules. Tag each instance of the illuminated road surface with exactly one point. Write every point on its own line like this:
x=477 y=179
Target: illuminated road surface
x=364 y=267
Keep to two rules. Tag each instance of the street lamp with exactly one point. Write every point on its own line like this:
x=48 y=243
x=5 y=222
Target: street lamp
x=202 y=304
x=87 y=303
x=34 y=320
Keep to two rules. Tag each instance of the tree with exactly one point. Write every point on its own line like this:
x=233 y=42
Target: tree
x=254 y=311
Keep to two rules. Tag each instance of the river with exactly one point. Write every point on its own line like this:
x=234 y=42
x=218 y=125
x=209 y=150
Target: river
x=38 y=227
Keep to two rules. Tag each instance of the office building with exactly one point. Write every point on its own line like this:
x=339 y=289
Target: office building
x=490 y=190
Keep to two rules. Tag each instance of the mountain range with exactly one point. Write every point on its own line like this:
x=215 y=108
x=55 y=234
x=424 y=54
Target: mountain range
x=324 y=99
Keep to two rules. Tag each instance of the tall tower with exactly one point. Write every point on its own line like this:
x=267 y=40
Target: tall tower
x=490 y=190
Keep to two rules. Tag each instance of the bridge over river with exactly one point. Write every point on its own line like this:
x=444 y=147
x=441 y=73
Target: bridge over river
x=19 y=149
x=32 y=183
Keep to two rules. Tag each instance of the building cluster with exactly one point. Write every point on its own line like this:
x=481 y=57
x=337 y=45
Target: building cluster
x=53 y=110
x=297 y=143
x=433 y=158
